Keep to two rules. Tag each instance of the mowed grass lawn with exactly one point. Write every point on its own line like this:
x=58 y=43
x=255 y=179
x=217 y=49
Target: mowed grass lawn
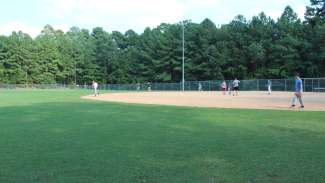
x=54 y=136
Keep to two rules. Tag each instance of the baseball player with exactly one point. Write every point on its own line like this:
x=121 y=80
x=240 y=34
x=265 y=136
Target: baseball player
x=200 y=87
x=223 y=87
x=229 y=88
x=298 y=93
x=269 y=86
x=149 y=86
x=235 y=85
x=95 y=87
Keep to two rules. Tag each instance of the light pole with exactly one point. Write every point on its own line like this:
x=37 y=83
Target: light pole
x=26 y=75
x=183 y=57
x=75 y=73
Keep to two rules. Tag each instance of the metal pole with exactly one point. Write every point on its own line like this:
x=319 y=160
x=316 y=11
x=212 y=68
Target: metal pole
x=183 y=57
x=75 y=73
x=304 y=84
x=26 y=82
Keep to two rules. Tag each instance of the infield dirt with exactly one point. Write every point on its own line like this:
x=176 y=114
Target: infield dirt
x=247 y=100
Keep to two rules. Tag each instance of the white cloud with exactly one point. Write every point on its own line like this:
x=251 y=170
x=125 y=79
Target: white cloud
x=113 y=14
x=122 y=15
x=274 y=8
x=298 y=6
x=33 y=31
x=191 y=4
x=8 y=28
x=63 y=27
x=60 y=8
x=300 y=10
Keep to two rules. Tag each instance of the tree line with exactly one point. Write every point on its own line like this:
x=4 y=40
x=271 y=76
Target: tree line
x=257 y=48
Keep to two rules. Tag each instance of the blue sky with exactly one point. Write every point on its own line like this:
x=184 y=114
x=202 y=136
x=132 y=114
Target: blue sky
x=31 y=15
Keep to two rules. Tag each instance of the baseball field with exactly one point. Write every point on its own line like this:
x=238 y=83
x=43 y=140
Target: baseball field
x=57 y=136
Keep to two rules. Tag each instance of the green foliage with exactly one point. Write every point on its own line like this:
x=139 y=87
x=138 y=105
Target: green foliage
x=256 y=48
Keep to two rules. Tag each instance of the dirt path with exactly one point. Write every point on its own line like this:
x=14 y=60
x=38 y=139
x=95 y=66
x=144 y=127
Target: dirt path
x=248 y=100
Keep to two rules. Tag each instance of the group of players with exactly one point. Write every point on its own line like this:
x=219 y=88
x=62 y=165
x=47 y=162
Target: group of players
x=297 y=93
x=235 y=88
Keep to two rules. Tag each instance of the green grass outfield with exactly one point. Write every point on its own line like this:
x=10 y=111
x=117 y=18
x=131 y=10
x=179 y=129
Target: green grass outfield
x=54 y=136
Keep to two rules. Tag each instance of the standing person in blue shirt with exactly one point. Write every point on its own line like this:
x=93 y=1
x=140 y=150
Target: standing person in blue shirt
x=298 y=93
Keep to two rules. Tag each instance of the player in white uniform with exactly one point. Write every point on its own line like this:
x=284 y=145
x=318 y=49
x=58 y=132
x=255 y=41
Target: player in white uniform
x=229 y=88
x=235 y=85
x=269 y=86
x=95 y=87
x=223 y=87
x=200 y=87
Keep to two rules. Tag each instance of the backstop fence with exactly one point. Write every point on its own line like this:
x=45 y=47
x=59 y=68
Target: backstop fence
x=309 y=85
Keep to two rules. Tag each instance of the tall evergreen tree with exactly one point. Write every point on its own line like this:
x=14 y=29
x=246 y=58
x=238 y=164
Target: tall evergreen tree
x=257 y=48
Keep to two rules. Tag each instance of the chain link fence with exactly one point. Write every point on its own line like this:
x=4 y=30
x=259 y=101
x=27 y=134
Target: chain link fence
x=309 y=85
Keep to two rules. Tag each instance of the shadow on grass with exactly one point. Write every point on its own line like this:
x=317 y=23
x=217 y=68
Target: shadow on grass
x=105 y=142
